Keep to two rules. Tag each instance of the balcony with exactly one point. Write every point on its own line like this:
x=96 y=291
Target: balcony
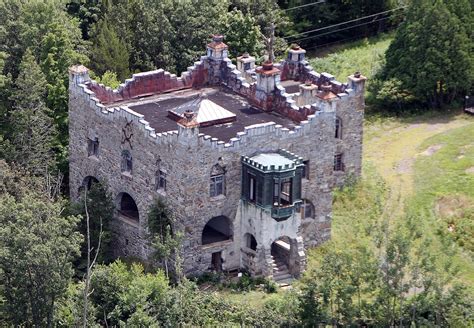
x=282 y=213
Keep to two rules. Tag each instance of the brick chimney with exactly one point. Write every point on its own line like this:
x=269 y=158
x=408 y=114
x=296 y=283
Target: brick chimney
x=268 y=77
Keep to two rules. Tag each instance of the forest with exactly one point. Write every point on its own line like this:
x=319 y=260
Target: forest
x=381 y=270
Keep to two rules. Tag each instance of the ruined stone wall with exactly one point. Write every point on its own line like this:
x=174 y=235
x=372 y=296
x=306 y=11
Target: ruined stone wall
x=188 y=158
x=152 y=82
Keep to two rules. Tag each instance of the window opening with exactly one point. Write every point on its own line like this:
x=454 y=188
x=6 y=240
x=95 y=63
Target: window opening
x=161 y=180
x=306 y=170
x=338 y=163
x=252 y=188
x=338 y=133
x=93 y=147
x=308 y=209
x=250 y=241
x=282 y=192
x=217 y=185
x=126 y=161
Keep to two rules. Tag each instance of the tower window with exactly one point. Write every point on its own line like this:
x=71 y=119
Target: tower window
x=306 y=170
x=252 y=188
x=217 y=185
x=161 y=180
x=282 y=192
x=338 y=163
x=338 y=132
x=217 y=181
x=126 y=162
x=93 y=147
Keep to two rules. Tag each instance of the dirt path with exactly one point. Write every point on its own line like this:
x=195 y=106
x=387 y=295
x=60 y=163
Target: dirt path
x=392 y=147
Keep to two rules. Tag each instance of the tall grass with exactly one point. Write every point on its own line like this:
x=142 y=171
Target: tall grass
x=365 y=56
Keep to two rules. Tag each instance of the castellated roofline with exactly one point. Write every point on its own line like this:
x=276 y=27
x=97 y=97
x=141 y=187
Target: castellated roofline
x=212 y=72
x=250 y=133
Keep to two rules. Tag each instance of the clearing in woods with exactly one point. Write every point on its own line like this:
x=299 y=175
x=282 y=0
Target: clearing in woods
x=425 y=161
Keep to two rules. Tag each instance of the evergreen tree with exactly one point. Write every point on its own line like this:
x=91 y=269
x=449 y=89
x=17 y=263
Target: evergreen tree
x=37 y=246
x=32 y=130
x=109 y=52
x=432 y=52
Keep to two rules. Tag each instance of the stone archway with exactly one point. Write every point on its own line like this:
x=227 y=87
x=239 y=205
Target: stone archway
x=288 y=257
x=217 y=229
x=127 y=207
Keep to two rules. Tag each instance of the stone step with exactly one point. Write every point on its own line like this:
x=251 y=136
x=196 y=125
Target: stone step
x=281 y=276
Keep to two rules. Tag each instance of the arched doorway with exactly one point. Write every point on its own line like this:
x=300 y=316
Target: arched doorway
x=127 y=207
x=217 y=229
x=287 y=262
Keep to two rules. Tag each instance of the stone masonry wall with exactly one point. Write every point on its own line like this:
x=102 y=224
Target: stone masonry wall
x=188 y=157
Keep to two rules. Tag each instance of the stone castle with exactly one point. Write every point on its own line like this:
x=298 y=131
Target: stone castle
x=245 y=156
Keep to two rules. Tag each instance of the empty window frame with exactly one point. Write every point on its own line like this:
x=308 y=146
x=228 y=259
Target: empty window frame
x=161 y=181
x=338 y=131
x=127 y=165
x=217 y=185
x=338 y=162
x=307 y=209
x=93 y=147
x=305 y=174
x=282 y=192
x=246 y=66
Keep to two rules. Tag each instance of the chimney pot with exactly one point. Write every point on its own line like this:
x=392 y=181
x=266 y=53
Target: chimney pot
x=267 y=66
x=217 y=38
x=326 y=87
x=188 y=114
x=357 y=74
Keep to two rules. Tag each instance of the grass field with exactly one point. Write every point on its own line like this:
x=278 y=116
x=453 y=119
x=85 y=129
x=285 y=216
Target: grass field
x=366 y=56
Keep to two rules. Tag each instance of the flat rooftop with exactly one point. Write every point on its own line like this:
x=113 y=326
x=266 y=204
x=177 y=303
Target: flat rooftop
x=155 y=111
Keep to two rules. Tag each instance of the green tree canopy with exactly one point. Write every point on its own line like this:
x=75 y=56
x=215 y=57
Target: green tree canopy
x=31 y=129
x=37 y=246
x=109 y=52
x=432 y=51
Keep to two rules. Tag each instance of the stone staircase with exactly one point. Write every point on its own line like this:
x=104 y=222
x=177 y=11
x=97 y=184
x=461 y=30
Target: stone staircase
x=281 y=274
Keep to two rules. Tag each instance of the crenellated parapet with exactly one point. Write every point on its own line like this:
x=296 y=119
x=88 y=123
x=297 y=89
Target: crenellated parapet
x=150 y=83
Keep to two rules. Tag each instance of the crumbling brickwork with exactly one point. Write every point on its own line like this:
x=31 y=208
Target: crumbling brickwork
x=187 y=156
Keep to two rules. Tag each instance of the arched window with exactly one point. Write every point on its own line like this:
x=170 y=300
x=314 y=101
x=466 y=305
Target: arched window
x=127 y=207
x=217 y=229
x=338 y=133
x=250 y=241
x=307 y=209
x=126 y=162
x=87 y=183
x=217 y=182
